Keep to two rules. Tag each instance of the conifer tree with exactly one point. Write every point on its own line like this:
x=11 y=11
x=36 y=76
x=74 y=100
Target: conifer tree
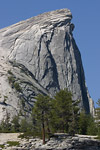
x=73 y=124
x=98 y=110
x=62 y=110
x=41 y=111
x=98 y=116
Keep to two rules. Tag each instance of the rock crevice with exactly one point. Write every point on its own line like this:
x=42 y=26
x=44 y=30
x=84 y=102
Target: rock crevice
x=45 y=46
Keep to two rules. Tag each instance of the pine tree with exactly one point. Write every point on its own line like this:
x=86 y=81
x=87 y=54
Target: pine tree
x=92 y=126
x=83 y=123
x=98 y=117
x=98 y=110
x=15 y=124
x=59 y=114
x=41 y=111
x=62 y=110
x=73 y=124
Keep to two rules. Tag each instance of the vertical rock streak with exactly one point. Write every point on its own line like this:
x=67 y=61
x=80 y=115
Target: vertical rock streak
x=46 y=59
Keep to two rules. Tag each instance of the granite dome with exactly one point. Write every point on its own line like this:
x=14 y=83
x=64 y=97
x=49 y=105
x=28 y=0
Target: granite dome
x=41 y=56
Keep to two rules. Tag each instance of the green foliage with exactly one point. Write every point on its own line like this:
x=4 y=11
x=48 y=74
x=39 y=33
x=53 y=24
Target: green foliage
x=83 y=123
x=29 y=129
x=98 y=111
x=92 y=128
x=2 y=146
x=18 y=125
x=97 y=114
x=60 y=114
x=56 y=115
x=15 y=124
x=73 y=126
x=25 y=126
x=64 y=112
x=98 y=102
x=41 y=111
x=13 y=143
x=42 y=106
x=98 y=133
x=98 y=117
x=11 y=79
x=5 y=125
x=87 y=125
x=9 y=72
x=17 y=87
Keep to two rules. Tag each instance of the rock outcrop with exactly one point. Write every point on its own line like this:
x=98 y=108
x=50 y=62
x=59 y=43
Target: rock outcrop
x=39 y=55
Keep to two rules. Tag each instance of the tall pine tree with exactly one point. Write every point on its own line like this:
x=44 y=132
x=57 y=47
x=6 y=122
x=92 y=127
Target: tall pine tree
x=62 y=110
x=41 y=111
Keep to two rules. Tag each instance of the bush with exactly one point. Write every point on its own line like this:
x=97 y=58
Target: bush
x=2 y=146
x=17 y=87
x=15 y=124
x=92 y=126
x=13 y=143
x=87 y=125
x=11 y=79
x=9 y=72
x=5 y=126
x=23 y=125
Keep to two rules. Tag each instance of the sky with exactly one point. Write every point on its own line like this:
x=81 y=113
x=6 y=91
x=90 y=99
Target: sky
x=86 y=18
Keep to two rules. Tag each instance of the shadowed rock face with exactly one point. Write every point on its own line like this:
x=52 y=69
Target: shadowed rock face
x=42 y=57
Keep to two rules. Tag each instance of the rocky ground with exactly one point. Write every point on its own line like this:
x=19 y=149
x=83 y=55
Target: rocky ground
x=58 y=142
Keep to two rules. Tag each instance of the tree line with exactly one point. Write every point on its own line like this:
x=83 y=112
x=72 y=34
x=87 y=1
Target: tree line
x=53 y=115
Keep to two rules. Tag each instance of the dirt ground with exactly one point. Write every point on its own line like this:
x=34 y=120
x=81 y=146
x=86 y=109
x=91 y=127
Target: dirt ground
x=4 y=137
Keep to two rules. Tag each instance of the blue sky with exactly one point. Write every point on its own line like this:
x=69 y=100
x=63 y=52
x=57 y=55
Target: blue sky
x=86 y=18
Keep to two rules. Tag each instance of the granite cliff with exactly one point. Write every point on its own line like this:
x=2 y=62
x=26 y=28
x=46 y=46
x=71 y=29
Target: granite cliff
x=40 y=55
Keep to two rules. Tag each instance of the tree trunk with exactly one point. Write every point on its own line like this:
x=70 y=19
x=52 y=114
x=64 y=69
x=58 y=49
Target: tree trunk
x=48 y=129
x=43 y=128
x=43 y=133
x=47 y=123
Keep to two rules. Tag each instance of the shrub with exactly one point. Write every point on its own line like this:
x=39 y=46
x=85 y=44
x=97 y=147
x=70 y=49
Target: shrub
x=2 y=146
x=15 y=124
x=11 y=79
x=13 y=143
x=17 y=87
x=9 y=72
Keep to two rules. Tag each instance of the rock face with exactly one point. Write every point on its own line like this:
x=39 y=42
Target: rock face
x=39 y=55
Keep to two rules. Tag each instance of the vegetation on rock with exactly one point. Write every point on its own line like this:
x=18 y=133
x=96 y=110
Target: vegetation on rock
x=13 y=143
x=53 y=115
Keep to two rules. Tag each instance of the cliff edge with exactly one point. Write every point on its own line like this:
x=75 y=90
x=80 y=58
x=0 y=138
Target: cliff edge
x=39 y=55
